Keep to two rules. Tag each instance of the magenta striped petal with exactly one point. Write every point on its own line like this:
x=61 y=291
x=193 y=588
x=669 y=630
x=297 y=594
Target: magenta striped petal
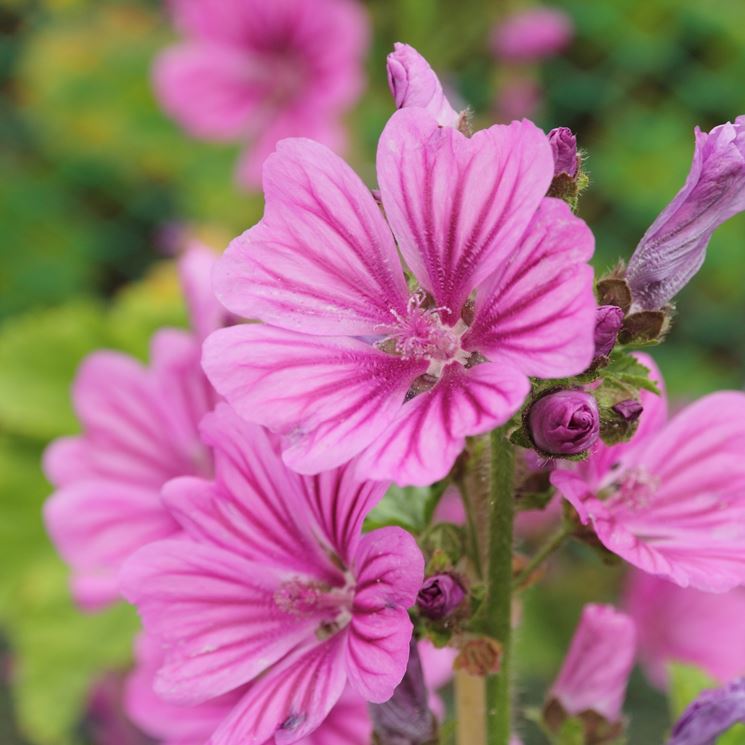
x=330 y=396
x=322 y=260
x=459 y=205
x=216 y=612
x=422 y=442
x=537 y=311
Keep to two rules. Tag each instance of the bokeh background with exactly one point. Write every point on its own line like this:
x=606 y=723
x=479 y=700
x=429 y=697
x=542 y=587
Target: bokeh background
x=98 y=186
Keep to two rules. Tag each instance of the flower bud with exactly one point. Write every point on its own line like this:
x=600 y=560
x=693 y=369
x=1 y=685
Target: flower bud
x=629 y=410
x=608 y=322
x=414 y=83
x=674 y=247
x=406 y=719
x=710 y=715
x=564 y=147
x=564 y=423
x=530 y=35
x=593 y=678
x=440 y=596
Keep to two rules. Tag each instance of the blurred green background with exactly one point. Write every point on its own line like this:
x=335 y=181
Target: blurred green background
x=96 y=182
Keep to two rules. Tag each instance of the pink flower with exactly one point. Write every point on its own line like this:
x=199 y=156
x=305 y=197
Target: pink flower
x=597 y=666
x=276 y=590
x=140 y=429
x=672 y=500
x=687 y=626
x=256 y=72
x=413 y=83
x=532 y=34
x=350 y=361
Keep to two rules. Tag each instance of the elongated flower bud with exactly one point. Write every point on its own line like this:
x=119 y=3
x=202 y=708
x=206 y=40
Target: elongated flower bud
x=440 y=595
x=414 y=83
x=608 y=323
x=674 y=247
x=596 y=669
x=711 y=715
x=564 y=147
x=564 y=423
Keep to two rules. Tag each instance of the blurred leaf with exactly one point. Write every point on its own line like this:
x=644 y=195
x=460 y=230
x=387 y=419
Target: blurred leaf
x=402 y=506
x=686 y=682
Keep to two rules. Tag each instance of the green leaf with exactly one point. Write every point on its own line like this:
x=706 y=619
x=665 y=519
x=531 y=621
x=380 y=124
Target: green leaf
x=623 y=369
x=734 y=736
x=402 y=506
x=686 y=683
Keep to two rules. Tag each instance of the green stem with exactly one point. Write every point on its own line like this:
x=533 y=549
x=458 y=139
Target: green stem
x=498 y=600
x=473 y=537
x=552 y=544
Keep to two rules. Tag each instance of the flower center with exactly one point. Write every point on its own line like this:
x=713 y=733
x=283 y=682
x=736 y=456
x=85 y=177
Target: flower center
x=331 y=605
x=633 y=489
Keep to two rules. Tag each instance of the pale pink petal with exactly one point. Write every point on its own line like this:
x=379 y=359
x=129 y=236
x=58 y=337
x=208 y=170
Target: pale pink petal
x=322 y=260
x=66 y=461
x=428 y=433
x=330 y=396
x=95 y=525
x=459 y=205
x=207 y=88
x=389 y=571
x=348 y=723
x=537 y=311
x=290 y=701
x=437 y=664
x=216 y=611
x=575 y=490
x=217 y=20
x=195 y=272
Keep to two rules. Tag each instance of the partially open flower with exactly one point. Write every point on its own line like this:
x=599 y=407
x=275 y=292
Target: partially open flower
x=440 y=595
x=564 y=423
x=564 y=147
x=710 y=715
x=608 y=323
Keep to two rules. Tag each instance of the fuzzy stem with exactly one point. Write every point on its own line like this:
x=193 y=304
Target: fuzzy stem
x=498 y=600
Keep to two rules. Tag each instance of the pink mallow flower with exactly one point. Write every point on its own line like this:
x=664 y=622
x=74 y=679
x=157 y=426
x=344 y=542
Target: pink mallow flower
x=671 y=501
x=275 y=590
x=140 y=429
x=598 y=664
x=351 y=360
x=255 y=71
x=532 y=34
x=687 y=626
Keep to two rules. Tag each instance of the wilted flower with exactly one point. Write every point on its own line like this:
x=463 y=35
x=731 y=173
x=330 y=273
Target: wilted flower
x=532 y=34
x=596 y=669
x=687 y=626
x=413 y=83
x=674 y=247
x=275 y=587
x=564 y=147
x=608 y=323
x=350 y=360
x=140 y=429
x=564 y=423
x=671 y=501
x=439 y=596
x=710 y=715
x=255 y=71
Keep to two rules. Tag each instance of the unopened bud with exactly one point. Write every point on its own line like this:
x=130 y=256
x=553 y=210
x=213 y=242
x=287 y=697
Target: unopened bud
x=564 y=423
x=629 y=410
x=564 y=147
x=440 y=596
x=608 y=322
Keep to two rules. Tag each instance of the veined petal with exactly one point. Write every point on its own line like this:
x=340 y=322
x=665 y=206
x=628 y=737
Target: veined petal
x=216 y=612
x=428 y=433
x=459 y=205
x=389 y=569
x=537 y=310
x=330 y=396
x=348 y=723
x=97 y=524
x=322 y=260
x=291 y=701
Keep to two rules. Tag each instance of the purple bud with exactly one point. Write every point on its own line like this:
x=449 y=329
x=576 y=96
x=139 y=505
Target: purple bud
x=608 y=322
x=629 y=410
x=414 y=83
x=532 y=34
x=597 y=666
x=564 y=147
x=440 y=595
x=710 y=715
x=674 y=247
x=564 y=423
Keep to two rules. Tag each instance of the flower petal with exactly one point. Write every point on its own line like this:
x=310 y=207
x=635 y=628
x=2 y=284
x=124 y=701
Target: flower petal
x=428 y=433
x=322 y=260
x=389 y=568
x=195 y=272
x=459 y=205
x=216 y=613
x=537 y=311
x=330 y=396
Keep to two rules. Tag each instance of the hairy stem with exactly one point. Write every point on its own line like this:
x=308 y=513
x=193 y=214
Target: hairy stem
x=498 y=600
